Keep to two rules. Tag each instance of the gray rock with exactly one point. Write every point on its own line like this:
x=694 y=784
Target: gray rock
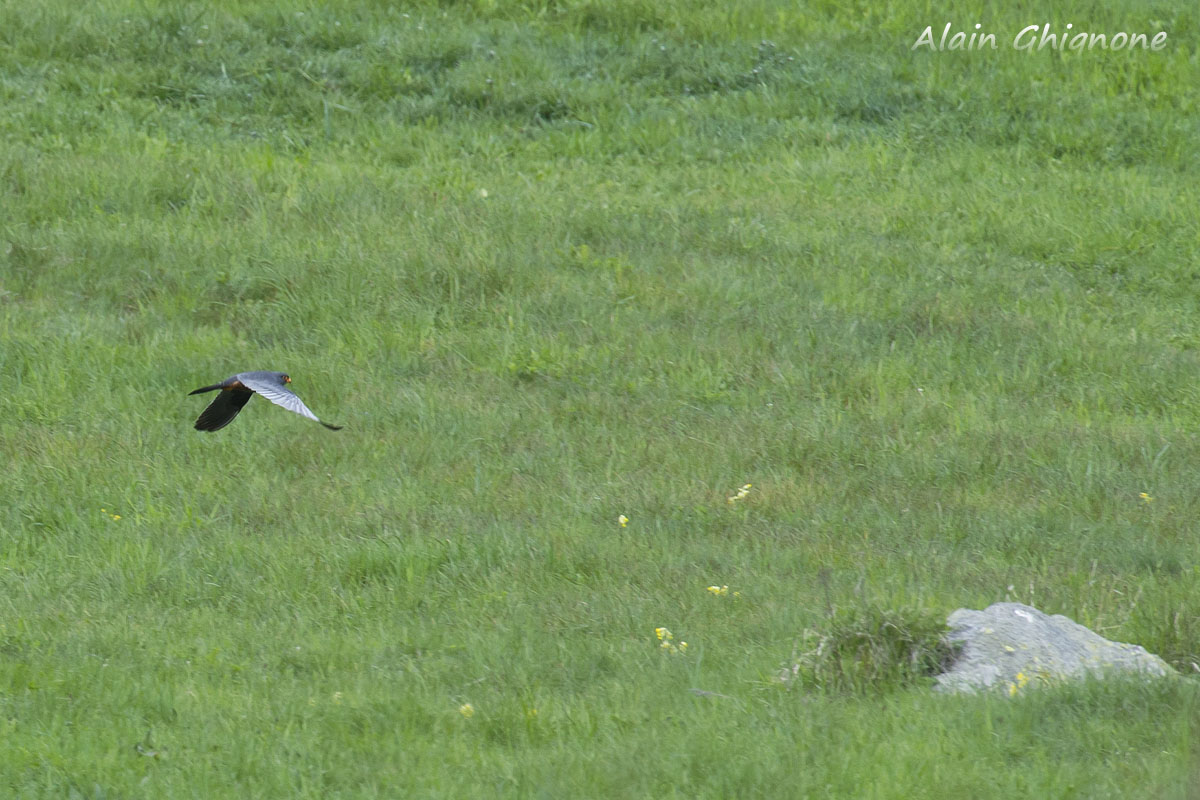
x=1012 y=645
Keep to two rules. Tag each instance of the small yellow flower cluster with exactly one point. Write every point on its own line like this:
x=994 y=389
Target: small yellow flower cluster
x=1021 y=682
x=114 y=516
x=623 y=520
x=1146 y=497
x=667 y=640
x=721 y=591
x=741 y=494
x=467 y=710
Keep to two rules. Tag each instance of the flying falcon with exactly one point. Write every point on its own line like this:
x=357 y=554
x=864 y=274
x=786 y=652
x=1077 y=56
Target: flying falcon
x=236 y=392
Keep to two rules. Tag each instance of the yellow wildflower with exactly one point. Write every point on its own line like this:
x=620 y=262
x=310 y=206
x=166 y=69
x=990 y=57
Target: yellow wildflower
x=467 y=710
x=622 y=519
x=1146 y=497
x=741 y=494
x=667 y=640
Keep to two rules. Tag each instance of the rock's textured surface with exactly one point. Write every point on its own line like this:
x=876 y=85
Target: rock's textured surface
x=1012 y=645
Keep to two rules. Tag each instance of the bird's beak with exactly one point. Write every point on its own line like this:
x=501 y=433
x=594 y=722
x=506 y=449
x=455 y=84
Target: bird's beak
x=287 y=380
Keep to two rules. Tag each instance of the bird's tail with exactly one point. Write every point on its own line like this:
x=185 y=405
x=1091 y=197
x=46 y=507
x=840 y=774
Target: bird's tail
x=204 y=389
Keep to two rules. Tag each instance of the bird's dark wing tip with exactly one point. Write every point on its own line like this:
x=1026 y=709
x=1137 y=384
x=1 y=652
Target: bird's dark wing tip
x=332 y=427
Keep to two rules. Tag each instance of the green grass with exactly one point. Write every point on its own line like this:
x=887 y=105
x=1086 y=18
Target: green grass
x=552 y=263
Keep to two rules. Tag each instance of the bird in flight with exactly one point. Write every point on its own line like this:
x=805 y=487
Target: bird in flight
x=235 y=392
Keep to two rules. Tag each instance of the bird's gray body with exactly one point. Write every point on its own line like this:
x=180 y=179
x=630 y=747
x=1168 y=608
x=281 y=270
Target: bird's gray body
x=235 y=392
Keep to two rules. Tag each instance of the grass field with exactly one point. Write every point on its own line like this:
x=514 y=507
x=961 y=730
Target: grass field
x=552 y=264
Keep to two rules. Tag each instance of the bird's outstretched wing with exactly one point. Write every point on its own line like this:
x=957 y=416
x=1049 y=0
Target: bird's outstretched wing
x=223 y=409
x=280 y=395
